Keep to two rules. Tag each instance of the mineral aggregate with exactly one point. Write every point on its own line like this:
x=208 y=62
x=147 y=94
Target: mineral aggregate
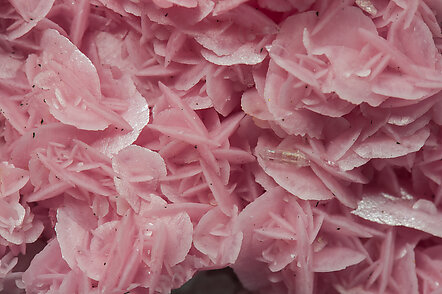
x=298 y=142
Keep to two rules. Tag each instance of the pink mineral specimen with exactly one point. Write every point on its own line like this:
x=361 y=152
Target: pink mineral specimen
x=297 y=142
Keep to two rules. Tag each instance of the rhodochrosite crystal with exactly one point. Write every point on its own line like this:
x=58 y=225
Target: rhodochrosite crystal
x=298 y=142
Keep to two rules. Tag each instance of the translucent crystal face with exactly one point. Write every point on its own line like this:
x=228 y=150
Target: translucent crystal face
x=284 y=156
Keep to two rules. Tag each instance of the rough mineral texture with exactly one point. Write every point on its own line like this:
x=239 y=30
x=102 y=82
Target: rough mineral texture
x=298 y=142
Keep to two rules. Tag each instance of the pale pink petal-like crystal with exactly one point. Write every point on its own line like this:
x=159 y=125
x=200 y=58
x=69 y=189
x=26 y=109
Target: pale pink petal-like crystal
x=297 y=141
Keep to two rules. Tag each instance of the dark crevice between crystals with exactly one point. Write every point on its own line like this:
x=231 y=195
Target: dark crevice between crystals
x=220 y=281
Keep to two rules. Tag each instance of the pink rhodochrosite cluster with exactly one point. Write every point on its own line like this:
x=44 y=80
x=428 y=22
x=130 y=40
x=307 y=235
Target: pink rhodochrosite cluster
x=297 y=141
